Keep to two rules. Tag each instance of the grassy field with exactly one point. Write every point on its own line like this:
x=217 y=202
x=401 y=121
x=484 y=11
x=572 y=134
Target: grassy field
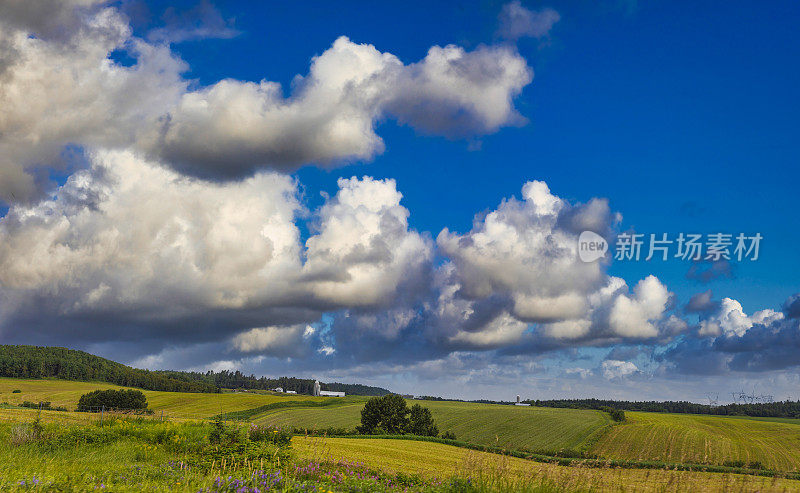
x=673 y=438
x=703 y=439
x=504 y=473
x=174 y=404
x=529 y=428
x=131 y=455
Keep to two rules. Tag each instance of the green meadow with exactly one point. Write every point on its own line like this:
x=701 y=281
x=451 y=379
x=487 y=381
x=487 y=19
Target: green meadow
x=512 y=427
x=647 y=452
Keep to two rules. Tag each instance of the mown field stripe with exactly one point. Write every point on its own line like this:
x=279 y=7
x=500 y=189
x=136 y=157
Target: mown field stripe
x=570 y=461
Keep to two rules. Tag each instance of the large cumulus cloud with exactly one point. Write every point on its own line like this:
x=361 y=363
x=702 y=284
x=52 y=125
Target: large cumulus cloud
x=60 y=85
x=130 y=241
x=517 y=272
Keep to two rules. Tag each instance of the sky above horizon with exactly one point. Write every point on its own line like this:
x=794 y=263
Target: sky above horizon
x=393 y=194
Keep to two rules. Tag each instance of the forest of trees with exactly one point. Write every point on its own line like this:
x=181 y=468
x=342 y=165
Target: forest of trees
x=70 y=364
x=783 y=409
x=238 y=380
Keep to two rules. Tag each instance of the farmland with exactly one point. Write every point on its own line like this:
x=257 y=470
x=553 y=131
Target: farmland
x=703 y=439
x=651 y=438
x=504 y=473
x=174 y=404
x=535 y=429
x=528 y=428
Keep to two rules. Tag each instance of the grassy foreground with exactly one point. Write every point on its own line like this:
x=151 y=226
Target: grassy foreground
x=505 y=473
x=689 y=438
x=145 y=454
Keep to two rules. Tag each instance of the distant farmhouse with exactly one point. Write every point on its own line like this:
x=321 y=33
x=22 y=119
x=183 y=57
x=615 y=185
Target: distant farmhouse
x=318 y=392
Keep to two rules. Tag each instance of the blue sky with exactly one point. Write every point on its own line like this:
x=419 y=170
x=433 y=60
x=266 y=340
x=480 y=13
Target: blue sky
x=681 y=117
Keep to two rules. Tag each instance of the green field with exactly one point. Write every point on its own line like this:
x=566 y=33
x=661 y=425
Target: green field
x=528 y=428
x=703 y=439
x=173 y=404
x=670 y=438
x=503 y=473
x=535 y=429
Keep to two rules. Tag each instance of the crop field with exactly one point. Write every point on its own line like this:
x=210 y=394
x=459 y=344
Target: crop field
x=503 y=473
x=670 y=438
x=512 y=427
x=174 y=404
x=702 y=439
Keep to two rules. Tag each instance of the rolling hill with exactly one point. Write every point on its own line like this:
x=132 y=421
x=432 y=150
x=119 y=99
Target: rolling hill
x=503 y=473
x=703 y=439
x=522 y=428
x=70 y=364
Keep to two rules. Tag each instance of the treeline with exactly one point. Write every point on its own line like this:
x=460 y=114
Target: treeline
x=70 y=364
x=783 y=409
x=238 y=380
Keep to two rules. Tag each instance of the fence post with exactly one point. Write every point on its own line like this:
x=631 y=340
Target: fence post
x=162 y=416
x=102 y=412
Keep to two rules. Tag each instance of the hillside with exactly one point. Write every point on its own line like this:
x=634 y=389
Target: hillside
x=173 y=404
x=71 y=364
x=528 y=428
x=703 y=440
x=505 y=473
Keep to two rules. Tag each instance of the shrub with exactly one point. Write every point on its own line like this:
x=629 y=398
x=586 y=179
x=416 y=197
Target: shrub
x=269 y=434
x=329 y=431
x=112 y=399
x=42 y=405
x=449 y=435
x=616 y=414
x=222 y=434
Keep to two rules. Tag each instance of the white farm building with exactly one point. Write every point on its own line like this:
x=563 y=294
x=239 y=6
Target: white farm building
x=325 y=393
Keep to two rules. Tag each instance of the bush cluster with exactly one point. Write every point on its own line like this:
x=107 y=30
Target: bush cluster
x=42 y=405
x=112 y=399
